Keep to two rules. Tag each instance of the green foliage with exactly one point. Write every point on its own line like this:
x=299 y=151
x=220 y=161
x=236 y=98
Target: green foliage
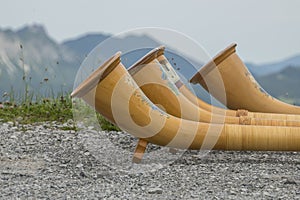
x=106 y=125
x=47 y=109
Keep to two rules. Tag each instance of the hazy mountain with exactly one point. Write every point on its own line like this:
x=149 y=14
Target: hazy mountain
x=30 y=57
x=270 y=68
x=83 y=45
x=283 y=84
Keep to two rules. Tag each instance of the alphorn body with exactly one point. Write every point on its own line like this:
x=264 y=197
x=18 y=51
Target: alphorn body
x=112 y=92
x=190 y=96
x=240 y=112
x=157 y=80
x=156 y=85
x=242 y=90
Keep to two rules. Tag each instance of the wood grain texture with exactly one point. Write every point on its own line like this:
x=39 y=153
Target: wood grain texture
x=157 y=79
x=242 y=90
x=113 y=93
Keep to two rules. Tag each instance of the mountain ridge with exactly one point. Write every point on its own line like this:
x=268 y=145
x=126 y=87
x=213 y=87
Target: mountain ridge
x=273 y=67
x=31 y=51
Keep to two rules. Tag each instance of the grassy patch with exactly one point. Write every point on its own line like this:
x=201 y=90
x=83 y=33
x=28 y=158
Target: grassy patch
x=45 y=110
x=49 y=109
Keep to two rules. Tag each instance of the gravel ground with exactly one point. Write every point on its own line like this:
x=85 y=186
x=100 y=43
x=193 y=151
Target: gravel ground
x=41 y=161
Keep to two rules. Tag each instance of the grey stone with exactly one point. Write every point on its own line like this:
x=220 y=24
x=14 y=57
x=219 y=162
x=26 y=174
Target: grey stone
x=10 y=123
x=18 y=119
x=290 y=181
x=80 y=165
x=155 y=191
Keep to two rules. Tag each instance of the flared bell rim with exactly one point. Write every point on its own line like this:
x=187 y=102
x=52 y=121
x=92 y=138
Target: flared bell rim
x=208 y=67
x=99 y=74
x=146 y=59
x=160 y=50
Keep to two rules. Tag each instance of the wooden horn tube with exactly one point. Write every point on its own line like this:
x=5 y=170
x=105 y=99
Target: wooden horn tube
x=238 y=113
x=157 y=83
x=112 y=92
x=154 y=82
x=191 y=97
x=242 y=90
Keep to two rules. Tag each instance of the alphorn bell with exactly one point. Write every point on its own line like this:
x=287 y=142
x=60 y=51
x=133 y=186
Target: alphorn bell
x=154 y=79
x=194 y=99
x=242 y=90
x=112 y=92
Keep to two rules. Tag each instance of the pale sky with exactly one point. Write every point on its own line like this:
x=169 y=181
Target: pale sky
x=265 y=30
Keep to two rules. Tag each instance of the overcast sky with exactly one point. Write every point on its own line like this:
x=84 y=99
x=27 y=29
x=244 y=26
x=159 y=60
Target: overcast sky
x=265 y=30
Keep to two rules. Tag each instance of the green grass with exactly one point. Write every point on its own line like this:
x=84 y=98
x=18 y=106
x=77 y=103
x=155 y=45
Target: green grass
x=47 y=109
x=32 y=107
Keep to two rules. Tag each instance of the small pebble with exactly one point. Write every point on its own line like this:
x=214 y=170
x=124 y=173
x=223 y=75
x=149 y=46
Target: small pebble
x=155 y=191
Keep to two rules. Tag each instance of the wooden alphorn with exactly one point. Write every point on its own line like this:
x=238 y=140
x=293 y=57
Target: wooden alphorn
x=242 y=90
x=112 y=92
x=159 y=83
